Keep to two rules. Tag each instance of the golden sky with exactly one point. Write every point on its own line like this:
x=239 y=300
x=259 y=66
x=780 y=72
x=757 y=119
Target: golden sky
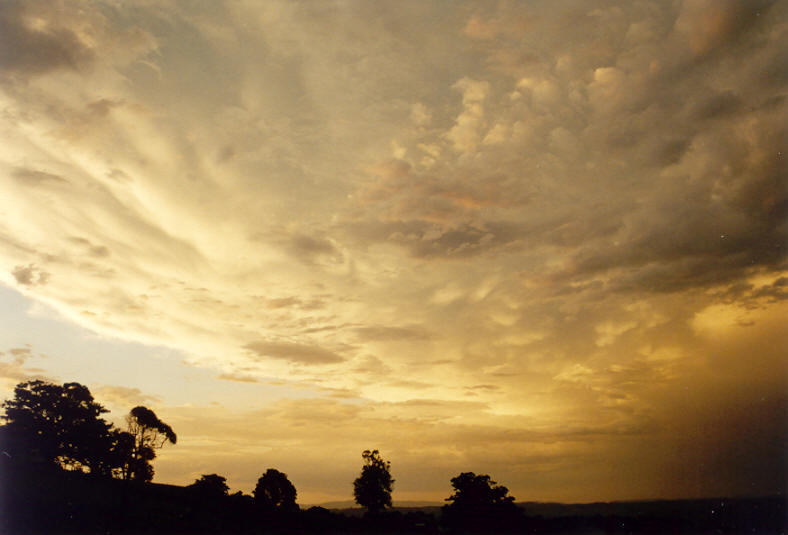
x=539 y=240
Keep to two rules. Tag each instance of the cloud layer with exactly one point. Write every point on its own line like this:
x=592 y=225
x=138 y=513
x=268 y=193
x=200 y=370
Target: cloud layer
x=552 y=221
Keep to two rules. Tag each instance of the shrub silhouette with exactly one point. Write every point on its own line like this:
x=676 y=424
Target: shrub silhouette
x=210 y=486
x=479 y=504
x=275 y=492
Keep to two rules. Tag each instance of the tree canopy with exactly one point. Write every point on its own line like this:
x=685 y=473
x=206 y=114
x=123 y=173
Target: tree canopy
x=372 y=489
x=478 y=503
x=148 y=434
x=59 y=425
x=275 y=491
x=210 y=486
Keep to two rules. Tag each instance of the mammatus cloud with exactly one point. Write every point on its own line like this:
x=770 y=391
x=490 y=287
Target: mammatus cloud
x=547 y=219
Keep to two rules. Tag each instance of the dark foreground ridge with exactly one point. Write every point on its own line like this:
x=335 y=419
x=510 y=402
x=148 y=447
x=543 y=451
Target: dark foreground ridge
x=61 y=502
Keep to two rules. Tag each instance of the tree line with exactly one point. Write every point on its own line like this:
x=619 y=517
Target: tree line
x=60 y=427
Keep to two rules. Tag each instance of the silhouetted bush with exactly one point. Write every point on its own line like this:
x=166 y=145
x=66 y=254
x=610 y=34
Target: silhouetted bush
x=479 y=505
x=274 y=492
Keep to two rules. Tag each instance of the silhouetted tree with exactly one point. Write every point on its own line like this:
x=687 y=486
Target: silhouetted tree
x=59 y=425
x=275 y=492
x=479 y=504
x=149 y=434
x=211 y=486
x=372 y=488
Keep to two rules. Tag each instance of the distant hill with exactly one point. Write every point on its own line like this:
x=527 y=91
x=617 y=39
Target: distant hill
x=703 y=511
x=557 y=509
x=350 y=504
x=671 y=508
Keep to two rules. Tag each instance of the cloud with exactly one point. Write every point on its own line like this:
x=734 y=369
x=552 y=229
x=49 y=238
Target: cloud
x=709 y=25
x=123 y=397
x=420 y=115
x=30 y=275
x=477 y=28
x=91 y=249
x=718 y=106
x=373 y=367
x=237 y=378
x=34 y=45
x=383 y=333
x=465 y=135
x=20 y=352
x=308 y=246
x=293 y=352
x=777 y=290
x=36 y=178
x=432 y=215
x=482 y=387
x=14 y=368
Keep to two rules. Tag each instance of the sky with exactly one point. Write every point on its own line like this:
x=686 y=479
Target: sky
x=543 y=241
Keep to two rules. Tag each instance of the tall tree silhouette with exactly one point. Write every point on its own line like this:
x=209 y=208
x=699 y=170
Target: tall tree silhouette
x=372 y=489
x=275 y=491
x=149 y=434
x=58 y=425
